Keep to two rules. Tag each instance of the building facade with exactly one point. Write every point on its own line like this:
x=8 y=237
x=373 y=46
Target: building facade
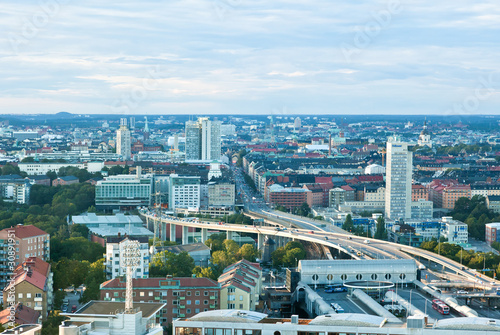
x=124 y=191
x=123 y=142
x=241 y=286
x=114 y=261
x=184 y=192
x=203 y=140
x=398 y=180
x=182 y=297
x=27 y=241
x=221 y=194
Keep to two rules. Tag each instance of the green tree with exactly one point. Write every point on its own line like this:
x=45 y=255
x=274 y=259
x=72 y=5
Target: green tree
x=248 y=252
x=348 y=223
x=380 y=232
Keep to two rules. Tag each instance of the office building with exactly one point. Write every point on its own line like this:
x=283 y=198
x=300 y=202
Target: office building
x=203 y=140
x=456 y=232
x=184 y=192
x=114 y=263
x=123 y=142
x=398 y=180
x=221 y=194
x=124 y=191
x=182 y=297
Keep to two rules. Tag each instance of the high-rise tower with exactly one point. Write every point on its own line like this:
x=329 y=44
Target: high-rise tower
x=123 y=143
x=398 y=180
x=203 y=140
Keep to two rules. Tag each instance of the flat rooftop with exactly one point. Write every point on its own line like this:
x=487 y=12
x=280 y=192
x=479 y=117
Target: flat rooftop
x=115 y=307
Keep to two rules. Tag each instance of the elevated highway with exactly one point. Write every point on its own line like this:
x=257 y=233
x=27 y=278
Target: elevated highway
x=352 y=245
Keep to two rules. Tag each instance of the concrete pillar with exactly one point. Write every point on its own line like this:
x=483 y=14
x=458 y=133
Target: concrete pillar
x=185 y=235
x=204 y=232
x=229 y=235
x=163 y=226
x=172 y=232
x=260 y=241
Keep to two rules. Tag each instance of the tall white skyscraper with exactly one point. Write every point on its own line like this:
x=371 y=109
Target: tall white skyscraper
x=203 y=140
x=123 y=143
x=398 y=180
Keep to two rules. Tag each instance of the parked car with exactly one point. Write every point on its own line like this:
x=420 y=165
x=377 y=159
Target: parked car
x=73 y=309
x=366 y=242
x=462 y=292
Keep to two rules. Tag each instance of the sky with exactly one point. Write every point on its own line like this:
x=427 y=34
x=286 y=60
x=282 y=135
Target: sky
x=279 y=57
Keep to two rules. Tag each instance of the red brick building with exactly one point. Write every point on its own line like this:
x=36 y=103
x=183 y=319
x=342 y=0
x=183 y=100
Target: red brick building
x=184 y=297
x=67 y=180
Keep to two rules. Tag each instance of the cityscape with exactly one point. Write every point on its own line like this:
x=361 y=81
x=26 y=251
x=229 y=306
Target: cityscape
x=176 y=224
x=232 y=167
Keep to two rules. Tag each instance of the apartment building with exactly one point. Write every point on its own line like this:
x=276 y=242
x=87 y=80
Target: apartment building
x=184 y=192
x=419 y=192
x=289 y=197
x=182 y=297
x=32 y=285
x=15 y=189
x=492 y=234
x=452 y=193
x=241 y=286
x=113 y=262
x=24 y=242
x=455 y=231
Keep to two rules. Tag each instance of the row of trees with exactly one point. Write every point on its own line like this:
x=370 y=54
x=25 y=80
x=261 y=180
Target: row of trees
x=475 y=213
x=302 y=210
x=469 y=258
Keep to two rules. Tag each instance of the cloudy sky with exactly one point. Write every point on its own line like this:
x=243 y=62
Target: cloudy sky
x=250 y=57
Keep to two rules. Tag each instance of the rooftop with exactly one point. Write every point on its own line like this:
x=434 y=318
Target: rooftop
x=114 y=307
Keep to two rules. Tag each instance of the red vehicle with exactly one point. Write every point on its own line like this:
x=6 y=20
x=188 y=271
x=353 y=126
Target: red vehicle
x=73 y=309
x=440 y=306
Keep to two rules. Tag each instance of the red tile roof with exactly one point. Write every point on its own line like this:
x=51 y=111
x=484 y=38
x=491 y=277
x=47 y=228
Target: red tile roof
x=24 y=315
x=25 y=231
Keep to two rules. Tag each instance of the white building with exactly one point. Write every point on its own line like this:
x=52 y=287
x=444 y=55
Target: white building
x=374 y=169
x=326 y=272
x=15 y=190
x=245 y=322
x=203 y=140
x=109 y=317
x=398 y=180
x=455 y=231
x=425 y=137
x=184 y=192
x=119 y=191
x=123 y=142
x=43 y=168
x=113 y=263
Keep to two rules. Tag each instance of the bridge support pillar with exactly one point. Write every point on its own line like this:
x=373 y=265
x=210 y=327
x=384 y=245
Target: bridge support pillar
x=229 y=235
x=260 y=241
x=163 y=229
x=185 y=235
x=204 y=232
x=172 y=232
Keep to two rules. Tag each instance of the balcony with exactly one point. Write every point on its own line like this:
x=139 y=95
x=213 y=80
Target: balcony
x=38 y=299
x=212 y=297
x=182 y=298
x=38 y=308
x=182 y=306
x=181 y=315
x=213 y=306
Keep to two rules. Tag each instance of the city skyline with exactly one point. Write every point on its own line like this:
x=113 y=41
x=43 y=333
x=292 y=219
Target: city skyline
x=236 y=57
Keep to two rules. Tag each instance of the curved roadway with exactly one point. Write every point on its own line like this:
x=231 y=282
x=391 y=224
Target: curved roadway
x=349 y=244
